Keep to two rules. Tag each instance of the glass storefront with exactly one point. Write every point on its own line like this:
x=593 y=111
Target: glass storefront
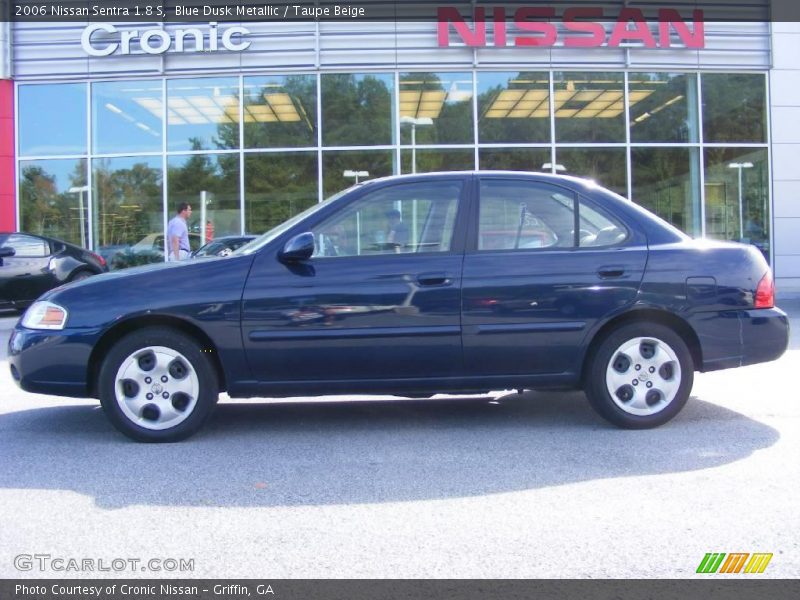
x=127 y=211
x=249 y=151
x=277 y=186
x=56 y=199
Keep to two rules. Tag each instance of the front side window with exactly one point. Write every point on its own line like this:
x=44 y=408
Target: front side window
x=26 y=246
x=402 y=219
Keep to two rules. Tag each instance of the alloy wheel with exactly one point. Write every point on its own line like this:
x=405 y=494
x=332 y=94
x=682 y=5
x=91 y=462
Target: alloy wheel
x=156 y=387
x=643 y=376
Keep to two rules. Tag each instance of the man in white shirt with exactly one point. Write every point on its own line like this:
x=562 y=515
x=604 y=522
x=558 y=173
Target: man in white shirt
x=178 y=233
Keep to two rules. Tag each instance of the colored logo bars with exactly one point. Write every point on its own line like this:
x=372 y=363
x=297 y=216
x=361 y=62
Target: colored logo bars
x=737 y=562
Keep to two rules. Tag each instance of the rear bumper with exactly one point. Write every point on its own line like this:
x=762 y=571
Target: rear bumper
x=765 y=335
x=741 y=337
x=51 y=362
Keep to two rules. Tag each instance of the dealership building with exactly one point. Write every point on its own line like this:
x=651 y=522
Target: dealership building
x=106 y=127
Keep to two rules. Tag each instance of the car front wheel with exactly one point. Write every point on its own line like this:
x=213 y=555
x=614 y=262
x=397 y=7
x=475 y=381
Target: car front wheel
x=640 y=376
x=157 y=385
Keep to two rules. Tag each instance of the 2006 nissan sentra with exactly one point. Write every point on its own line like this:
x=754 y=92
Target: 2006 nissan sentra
x=414 y=285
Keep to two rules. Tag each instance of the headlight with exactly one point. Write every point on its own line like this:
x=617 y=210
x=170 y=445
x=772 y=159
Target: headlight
x=45 y=315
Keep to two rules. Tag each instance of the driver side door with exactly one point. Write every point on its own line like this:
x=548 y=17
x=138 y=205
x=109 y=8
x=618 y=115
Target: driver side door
x=366 y=306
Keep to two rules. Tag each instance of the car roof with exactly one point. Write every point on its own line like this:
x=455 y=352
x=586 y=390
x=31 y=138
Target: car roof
x=555 y=178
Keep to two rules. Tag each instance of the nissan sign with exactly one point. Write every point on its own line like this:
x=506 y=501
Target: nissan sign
x=535 y=26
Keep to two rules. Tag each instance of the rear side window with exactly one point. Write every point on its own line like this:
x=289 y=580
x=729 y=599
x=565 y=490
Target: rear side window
x=598 y=228
x=525 y=215
x=520 y=215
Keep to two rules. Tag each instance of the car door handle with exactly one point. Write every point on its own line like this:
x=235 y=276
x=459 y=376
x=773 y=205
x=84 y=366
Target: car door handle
x=610 y=272
x=429 y=279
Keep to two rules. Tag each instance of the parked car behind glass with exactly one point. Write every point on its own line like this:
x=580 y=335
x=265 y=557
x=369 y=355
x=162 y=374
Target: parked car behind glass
x=31 y=264
x=222 y=246
x=150 y=249
x=500 y=281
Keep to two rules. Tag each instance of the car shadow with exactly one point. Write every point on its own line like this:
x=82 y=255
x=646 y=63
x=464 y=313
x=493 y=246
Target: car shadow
x=344 y=452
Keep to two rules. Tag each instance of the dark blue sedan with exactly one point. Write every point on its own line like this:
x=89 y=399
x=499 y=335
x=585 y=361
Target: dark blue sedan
x=414 y=285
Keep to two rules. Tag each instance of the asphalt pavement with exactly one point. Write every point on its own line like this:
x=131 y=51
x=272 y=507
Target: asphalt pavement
x=500 y=485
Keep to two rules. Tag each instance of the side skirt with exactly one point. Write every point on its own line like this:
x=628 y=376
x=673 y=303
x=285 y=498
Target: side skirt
x=447 y=385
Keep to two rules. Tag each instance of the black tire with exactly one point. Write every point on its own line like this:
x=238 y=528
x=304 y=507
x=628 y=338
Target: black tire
x=599 y=366
x=199 y=362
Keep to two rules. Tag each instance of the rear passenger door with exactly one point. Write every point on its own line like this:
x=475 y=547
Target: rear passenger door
x=543 y=267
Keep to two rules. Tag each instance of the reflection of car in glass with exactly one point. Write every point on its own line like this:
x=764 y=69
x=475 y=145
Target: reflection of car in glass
x=222 y=246
x=32 y=264
x=500 y=281
x=154 y=242
x=150 y=249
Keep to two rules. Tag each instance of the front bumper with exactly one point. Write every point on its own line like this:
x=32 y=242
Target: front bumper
x=51 y=362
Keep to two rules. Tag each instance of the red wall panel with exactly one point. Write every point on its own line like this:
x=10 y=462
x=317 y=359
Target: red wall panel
x=8 y=212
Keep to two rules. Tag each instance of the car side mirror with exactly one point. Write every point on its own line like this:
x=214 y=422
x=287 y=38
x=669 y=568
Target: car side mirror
x=299 y=248
x=7 y=251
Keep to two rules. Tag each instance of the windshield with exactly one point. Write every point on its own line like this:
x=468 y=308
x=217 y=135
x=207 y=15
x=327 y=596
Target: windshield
x=210 y=249
x=270 y=235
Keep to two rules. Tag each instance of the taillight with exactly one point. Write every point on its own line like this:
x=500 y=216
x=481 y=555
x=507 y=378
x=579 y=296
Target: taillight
x=765 y=292
x=99 y=259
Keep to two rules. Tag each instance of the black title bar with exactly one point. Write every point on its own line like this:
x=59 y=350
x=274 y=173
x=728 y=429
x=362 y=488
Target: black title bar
x=373 y=10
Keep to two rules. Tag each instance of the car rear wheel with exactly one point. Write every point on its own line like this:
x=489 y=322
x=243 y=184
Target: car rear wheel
x=157 y=385
x=640 y=376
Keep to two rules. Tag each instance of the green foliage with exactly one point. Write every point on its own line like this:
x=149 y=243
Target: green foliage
x=46 y=210
x=356 y=109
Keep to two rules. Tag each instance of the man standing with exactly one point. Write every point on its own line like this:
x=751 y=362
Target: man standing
x=178 y=233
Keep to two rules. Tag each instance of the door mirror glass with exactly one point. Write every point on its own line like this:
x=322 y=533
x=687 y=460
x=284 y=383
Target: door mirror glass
x=300 y=247
x=7 y=251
